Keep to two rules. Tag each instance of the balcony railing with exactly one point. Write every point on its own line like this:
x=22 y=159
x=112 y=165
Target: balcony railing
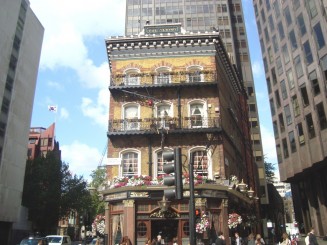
x=157 y=124
x=162 y=78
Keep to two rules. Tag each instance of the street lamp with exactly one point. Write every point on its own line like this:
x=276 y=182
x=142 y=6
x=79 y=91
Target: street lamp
x=164 y=204
x=250 y=192
x=242 y=186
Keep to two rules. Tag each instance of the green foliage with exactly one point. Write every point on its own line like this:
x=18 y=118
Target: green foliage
x=98 y=178
x=50 y=192
x=270 y=172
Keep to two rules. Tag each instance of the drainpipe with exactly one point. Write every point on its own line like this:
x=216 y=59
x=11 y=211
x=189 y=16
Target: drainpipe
x=179 y=108
x=150 y=156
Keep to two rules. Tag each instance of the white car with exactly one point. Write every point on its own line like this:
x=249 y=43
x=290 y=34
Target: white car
x=59 y=240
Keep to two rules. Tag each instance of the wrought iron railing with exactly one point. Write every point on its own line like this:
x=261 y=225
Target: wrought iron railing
x=160 y=78
x=157 y=124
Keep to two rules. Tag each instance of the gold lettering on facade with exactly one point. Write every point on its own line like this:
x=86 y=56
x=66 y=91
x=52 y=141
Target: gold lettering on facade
x=164 y=214
x=139 y=194
x=116 y=196
x=128 y=203
x=200 y=202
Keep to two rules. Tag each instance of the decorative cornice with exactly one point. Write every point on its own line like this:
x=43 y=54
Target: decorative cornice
x=128 y=203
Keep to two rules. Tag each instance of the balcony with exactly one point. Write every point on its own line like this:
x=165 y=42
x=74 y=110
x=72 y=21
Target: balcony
x=163 y=79
x=157 y=125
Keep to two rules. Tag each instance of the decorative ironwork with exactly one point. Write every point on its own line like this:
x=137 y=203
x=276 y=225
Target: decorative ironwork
x=164 y=214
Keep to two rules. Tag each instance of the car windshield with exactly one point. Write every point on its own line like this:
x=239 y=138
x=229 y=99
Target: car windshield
x=29 y=241
x=54 y=239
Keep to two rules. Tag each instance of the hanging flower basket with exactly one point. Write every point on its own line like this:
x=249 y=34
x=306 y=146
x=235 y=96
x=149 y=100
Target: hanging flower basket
x=98 y=225
x=234 y=220
x=203 y=224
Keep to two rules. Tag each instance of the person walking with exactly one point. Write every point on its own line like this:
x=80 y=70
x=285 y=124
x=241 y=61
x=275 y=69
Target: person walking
x=286 y=240
x=312 y=237
x=238 y=239
x=220 y=239
x=251 y=240
x=259 y=240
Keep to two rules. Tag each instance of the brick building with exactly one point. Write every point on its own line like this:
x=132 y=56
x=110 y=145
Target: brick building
x=172 y=90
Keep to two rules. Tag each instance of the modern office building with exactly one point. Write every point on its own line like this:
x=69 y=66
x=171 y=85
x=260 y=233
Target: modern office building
x=293 y=37
x=21 y=36
x=225 y=16
x=173 y=91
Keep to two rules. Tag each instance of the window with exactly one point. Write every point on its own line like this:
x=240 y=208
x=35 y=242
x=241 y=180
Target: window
x=275 y=127
x=279 y=66
x=311 y=7
x=253 y=122
x=286 y=54
x=296 y=107
x=308 y=54
x=274 y=77
x=296 y=4
x=197 y=113
x=314 y=83
x=163 y=76
x=284 y=90
x=288 y=115
x=290 y=78
x=276 y=8
x=323 y=63
x=195 y=75
x=298 y=66
x=321 y=116
x=310 y=126
x=300 y=133
x=131 y=117
x=285 y=148
x=271 y=23
x=268 y=5
x=288 y=16
x=267 y=35
x=270 y=55
x=130 y=164
x=281 y=31
x=305 y=98
x=5 y=105
x=252 y=107
x=279 y=152
x=301 y=24
x=269 y=85
x=277 y=97
x=275 y=44
x=272 y=107
x=293 y=40
x=265 y=65
x=200 y=162
x=291 y=139
x=132 y=77
x=262 y=45
x=319 y=37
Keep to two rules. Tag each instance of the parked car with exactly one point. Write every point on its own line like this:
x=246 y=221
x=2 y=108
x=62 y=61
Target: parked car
x=31 y=240
x=59 y=240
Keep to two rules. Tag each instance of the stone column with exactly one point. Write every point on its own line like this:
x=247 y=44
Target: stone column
x=129 y=220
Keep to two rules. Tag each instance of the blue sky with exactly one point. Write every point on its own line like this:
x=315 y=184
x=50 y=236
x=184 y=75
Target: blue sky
x=74 y=75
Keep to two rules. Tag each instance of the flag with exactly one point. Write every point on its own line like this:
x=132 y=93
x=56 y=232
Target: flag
x=52 y=108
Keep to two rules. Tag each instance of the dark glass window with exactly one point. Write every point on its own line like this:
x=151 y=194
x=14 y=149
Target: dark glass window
x=301 y=24
x=271 y=23
x=276 y=8
x=283 y=88
x=277 y=98
x=275 y=43
x=285 y=148
x=314 y=83
x=293 y=40
x=311 y=7
x=321 y=116
x=305 y=97
x=263 y=16
x=291 y=138
x=288 y=114
x=281 y=122
x=298 y=66
x=307 y=51
x=281 y=31
x=319 y=36
x=269 y=85
x=288 y=16
x=286 y=54
x=296 y=107
x=310 y=126
x=275 y=127
x=272 y=107
x=279 y=152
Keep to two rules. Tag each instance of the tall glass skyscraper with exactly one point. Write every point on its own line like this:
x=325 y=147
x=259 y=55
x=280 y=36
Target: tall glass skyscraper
x=225 y=16
x=293 y=38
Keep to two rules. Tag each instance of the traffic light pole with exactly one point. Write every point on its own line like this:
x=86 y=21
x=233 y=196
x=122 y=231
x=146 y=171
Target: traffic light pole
x=192 y=203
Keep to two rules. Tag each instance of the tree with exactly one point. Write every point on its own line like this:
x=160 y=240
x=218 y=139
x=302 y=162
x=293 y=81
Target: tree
x=50 y=192
x=269 y=171
x=98 y=178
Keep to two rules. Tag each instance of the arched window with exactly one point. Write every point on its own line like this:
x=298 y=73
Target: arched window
x=130 y=163
x=132 y=77
x=200 y=162
x=197 y=114
x=131 y=117
x=163 y=76
x=195 y=74
x=164 y=111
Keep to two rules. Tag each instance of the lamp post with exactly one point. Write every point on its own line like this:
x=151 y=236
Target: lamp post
x=191 y=203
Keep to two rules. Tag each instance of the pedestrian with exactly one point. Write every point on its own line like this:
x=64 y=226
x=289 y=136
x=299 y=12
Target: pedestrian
x=175 y=241
x=286 y=240
x=259 y=240
x=251 y=239
x=148 y=242
x=307 y=242
x=159 y=239
x=220 y=239
x=154 y=241
x=237 y=239
x=312 y=237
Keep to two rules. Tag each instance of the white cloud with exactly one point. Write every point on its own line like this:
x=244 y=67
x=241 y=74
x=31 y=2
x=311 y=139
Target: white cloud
x=97 y=111
x=68 y=25
x=55 y=85
x=64 y=113
x=257 y=69
x=82 y=159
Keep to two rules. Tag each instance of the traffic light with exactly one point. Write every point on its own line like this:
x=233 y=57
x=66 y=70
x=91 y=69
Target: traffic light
x=197 y=213
x=173 y=166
